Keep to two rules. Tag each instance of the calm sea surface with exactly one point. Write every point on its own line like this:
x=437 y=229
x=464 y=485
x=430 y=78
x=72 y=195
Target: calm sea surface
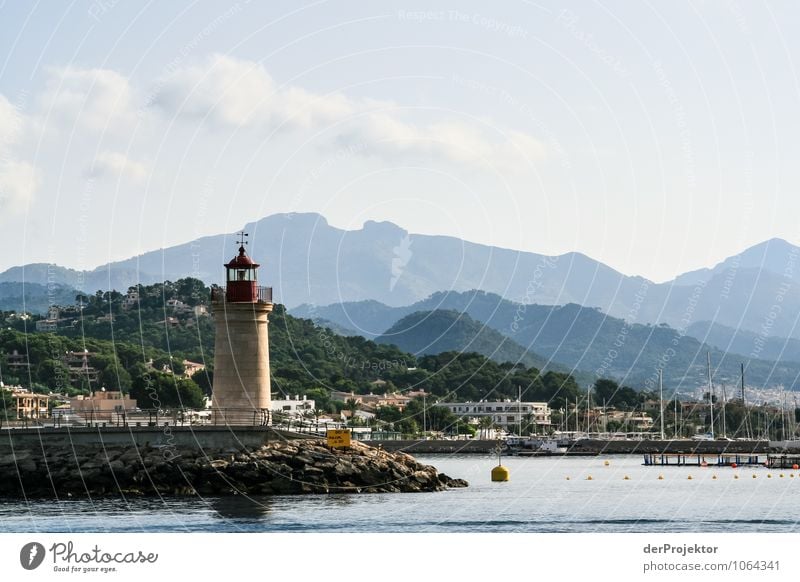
x=539 y=498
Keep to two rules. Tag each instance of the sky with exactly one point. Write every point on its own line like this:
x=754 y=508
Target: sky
x=657 y=137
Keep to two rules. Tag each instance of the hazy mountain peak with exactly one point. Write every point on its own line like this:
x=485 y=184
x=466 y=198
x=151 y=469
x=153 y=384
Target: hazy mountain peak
x=383 y=227
x=774 y=255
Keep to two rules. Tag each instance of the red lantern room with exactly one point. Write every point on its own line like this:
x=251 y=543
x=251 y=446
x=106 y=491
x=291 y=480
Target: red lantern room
x=242 y=279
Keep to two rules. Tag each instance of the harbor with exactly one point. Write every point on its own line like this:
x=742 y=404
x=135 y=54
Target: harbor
x=551 y=494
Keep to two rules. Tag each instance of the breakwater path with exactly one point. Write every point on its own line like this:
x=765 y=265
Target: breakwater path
x=298 y=466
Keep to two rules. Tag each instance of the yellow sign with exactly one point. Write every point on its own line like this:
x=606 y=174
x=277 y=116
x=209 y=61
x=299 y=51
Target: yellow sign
x=338 y=438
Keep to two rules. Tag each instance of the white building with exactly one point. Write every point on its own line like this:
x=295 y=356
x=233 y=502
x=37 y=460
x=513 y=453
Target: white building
x=506 y=414
x=296 y=406
x=131 y=299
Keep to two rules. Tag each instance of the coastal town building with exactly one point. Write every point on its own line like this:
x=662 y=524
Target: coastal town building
x=79 y=367
x=373 y=401
x=296 y=406
x=29 y=405
x=191 y=368
x=17 y=362
x=628 y=420
x=131 y=299
x=506 y=414
x=102 y=404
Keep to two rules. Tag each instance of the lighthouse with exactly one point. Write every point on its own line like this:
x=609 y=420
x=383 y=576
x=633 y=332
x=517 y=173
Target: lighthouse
x=241 y=390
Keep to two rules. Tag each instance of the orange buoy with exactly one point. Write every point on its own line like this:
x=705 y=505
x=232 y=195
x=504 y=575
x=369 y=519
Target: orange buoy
x=734 y=465
x=795 y=466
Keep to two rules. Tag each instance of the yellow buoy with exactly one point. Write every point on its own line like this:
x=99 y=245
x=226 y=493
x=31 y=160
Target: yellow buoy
x=589 y=478
x=661 y=477
x=689 y=477
x=626 y=478
x=500 y=473
x=606 y=463
x=754 y=475
x=769 y=475
x=736 y=476
x=713 y=476
x=781 y=475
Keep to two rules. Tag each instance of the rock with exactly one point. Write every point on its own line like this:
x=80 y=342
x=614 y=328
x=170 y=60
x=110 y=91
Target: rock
x=280 y=468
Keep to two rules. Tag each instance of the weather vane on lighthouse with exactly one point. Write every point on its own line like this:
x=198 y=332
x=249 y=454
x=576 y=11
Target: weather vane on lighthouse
x=242 y=238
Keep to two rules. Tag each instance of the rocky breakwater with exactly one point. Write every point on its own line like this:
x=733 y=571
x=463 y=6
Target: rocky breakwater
x=291 y=467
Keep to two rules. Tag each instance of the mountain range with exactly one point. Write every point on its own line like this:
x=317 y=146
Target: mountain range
x=580 y=339
x=308 y=261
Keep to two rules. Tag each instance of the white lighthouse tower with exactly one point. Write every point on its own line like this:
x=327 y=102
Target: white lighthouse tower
x=241 y=391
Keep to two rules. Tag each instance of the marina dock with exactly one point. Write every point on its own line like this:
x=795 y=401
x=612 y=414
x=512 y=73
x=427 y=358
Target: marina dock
x=703 y=459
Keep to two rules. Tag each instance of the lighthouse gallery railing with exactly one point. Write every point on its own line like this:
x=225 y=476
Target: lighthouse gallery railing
x=264 y=294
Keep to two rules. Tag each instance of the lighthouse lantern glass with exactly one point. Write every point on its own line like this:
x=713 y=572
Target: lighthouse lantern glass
x=242 y=274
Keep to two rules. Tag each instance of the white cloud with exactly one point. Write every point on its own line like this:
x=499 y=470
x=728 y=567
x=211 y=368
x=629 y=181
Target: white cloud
x=241 y=94
x=18 y=183
x=96 y=99
x=453 y=140
x=116 y=165
x=10 y=122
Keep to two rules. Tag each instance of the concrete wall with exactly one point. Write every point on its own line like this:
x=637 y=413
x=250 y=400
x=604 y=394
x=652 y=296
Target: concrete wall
x=420 y=447
x=241 y=360
x=210 y=437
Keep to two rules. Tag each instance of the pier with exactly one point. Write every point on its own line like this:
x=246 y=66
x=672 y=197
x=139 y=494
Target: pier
x=703 y=459
x=784 y=461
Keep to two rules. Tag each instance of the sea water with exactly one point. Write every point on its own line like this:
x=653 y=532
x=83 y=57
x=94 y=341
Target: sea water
x=543 y=495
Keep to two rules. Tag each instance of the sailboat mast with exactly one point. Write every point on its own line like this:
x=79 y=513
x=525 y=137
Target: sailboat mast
x=675 y=420
x=724 y=402
x=744 y=406
x=710 y=394
x=661 y=400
